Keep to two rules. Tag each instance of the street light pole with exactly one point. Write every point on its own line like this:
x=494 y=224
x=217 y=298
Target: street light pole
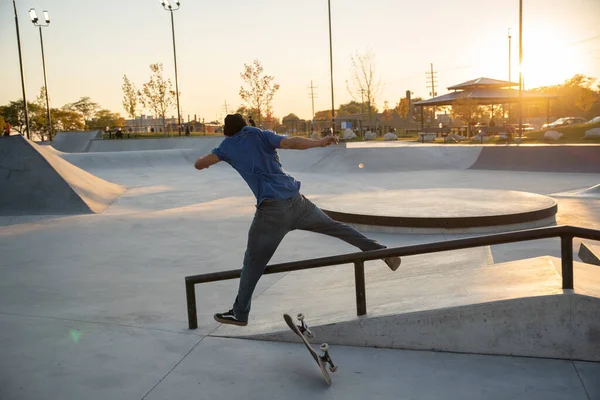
x=169 y=7
x=509 y=72
x=509 y=55
x=331 y=69
x=520 y=68
x=22 y=74
x=35 y=20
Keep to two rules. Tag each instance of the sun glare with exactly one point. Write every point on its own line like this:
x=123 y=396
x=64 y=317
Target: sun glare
x=548 y=59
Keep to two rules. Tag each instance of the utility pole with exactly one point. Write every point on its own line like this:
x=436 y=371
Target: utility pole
x=431 y=82
x=226 y=108
x=362 y=109
x=312 y=97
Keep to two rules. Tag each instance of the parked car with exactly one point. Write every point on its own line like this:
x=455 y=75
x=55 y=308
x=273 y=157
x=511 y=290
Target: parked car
x=565 y=121
x=594 y=120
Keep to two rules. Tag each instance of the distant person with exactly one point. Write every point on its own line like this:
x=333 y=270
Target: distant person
x=7 y=129
x=280 y=208
x=119 y=133
x=187 y=130
x=251 y=121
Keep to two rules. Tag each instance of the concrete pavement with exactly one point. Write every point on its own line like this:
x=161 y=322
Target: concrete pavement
x=93 y=305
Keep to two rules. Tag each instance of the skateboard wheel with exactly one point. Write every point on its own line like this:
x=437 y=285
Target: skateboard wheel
x=324 y=347
x=300 y=317
x=333 y=369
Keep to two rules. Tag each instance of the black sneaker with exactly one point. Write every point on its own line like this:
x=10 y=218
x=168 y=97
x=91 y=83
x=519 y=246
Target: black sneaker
x=229 y=318
x=393 y=262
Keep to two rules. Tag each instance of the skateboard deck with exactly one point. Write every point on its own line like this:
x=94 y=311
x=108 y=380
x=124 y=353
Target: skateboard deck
x=318 y=359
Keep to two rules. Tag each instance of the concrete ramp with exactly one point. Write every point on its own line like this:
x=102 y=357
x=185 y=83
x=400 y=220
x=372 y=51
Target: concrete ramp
x=360 y=158
x=589 y=253
x=36 y=181
x=75 y=142
x=515 y=308
x=569 y=158
x=200 y=144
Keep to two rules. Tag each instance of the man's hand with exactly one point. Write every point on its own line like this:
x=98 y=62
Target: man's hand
x=327 y=140
x=206 y=161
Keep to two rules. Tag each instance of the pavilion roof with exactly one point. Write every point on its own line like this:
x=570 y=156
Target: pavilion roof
x=483 y=83
x=488 y=95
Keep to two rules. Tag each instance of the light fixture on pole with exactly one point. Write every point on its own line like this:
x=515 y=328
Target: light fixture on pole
x=169 y=7
x=22 y=74
x=36 y=22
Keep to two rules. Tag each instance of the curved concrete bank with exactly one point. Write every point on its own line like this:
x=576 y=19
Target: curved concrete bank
x=441 y=210
x=568 y=158
x=75 y=142
x=366 y=157
x=35 y=181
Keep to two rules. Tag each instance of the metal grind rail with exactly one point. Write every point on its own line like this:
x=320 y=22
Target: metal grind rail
x=566 y=234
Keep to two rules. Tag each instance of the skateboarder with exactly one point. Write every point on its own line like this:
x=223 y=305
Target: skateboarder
x=280 y=208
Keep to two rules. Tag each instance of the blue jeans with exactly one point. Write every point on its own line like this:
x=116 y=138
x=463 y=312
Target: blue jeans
x=272 y=221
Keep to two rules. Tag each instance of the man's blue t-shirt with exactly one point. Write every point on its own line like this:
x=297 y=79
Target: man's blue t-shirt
x=253 y=154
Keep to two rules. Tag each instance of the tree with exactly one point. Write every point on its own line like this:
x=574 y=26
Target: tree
x=67 y=120
x=353 y=108
x=38 y=118
x=85 y=106
x=574 y=98
x=402 y=108
x=14 y=114
x=247 y=112
x=158 y=93
x=260 y=89
x=290 y=117
x=364 y=84
x=388 y=114
x=324 y=115
x=106 y=118
x=130 y=97
x=466 y=110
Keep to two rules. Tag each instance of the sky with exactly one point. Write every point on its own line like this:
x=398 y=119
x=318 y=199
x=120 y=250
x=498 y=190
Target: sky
x=91 y=44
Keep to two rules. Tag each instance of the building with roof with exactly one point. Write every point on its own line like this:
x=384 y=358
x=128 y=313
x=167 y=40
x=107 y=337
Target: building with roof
x=485 y=91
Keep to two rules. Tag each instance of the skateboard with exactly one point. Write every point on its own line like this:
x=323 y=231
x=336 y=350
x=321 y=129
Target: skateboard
x=304 y=331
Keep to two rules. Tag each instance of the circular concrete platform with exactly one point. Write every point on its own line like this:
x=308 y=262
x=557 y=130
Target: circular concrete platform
x=441 y=210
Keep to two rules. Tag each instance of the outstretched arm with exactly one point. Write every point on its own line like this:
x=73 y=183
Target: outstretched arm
x=206 y=161
x=302 y=143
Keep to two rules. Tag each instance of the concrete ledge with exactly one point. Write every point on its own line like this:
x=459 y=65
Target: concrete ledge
x=516 y=308
x=441 y=210
x=556 y=326
x=589 y=254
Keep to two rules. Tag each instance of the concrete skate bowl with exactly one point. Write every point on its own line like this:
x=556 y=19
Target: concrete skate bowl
x=36 y=181
x=575 y=159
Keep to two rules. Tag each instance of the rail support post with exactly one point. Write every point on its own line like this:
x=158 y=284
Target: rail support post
x=190 y=294
x=359 y=281
x=566 y=255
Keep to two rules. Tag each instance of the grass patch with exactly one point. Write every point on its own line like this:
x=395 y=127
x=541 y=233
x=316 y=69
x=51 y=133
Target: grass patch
x=571 y=134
